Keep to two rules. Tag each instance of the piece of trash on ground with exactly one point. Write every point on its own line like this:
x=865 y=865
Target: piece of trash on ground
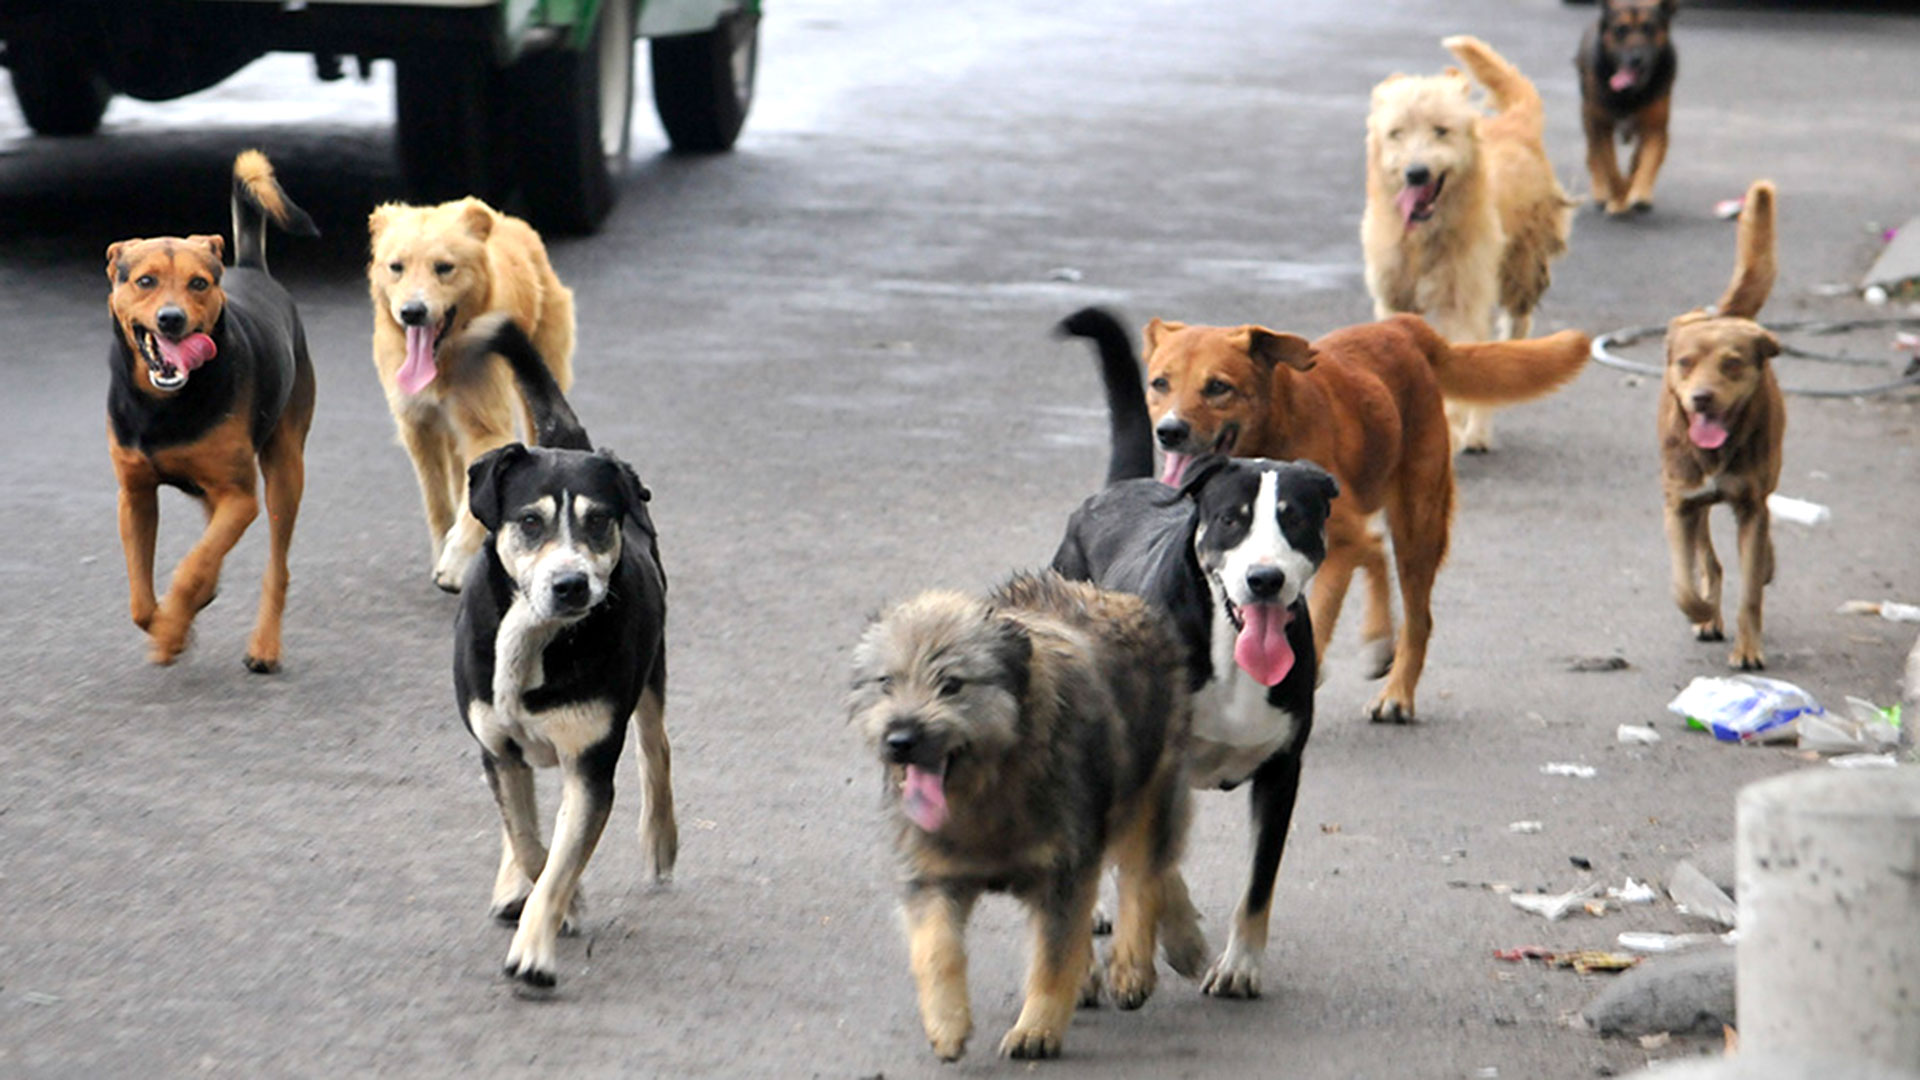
x=1584 y=961
x=1633 y=892
x=1526 y=828
x=1656 y=1040
x=1798 y=511
x=1647 y=941
x=1696 y=894
x=1580 y=862
x=1501 y=887
x=1598 y=663
x=1864 y=761
x=1865 y=729
x=1065 y=273
x=1744 y=708
x=1635 y=733
x=1568 y=768
x=1728 y=209
x=1890 y=610
x=1554 y=907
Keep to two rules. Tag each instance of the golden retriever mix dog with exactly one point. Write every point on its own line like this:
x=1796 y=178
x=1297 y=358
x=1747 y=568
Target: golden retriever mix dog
x=435 y=269
x=1463 y=210
x=1722 y=420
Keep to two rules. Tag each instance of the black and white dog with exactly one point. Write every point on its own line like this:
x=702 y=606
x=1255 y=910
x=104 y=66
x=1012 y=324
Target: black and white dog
x=559 y=640
x=1228 y=554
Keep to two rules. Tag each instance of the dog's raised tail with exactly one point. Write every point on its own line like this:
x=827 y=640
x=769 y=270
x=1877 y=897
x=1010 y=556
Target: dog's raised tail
x=1753 y=264
x=1130 y=425
x=258 y=199
x=1513 y=94
x=1505 y=372
x=554 y=424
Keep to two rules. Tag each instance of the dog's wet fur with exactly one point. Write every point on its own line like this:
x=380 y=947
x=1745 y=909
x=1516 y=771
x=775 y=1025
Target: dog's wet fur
x=1026 y=739
x=559 y=640
x=1627 y=66
x=1722 y=422
x=1235 y=533
x=211 y=391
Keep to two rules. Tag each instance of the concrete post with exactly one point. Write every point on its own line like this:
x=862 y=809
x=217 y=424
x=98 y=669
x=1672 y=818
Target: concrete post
x=1829 y=894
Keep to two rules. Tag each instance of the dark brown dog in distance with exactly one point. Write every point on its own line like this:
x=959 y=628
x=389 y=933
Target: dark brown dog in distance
x=1363 y=403
x=1722 y=421
x=211 y=388
x=1027 y=739
x=1627 y=66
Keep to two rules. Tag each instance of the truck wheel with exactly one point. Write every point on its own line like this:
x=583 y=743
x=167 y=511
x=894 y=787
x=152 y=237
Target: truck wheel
x=703 y=83
x=578 y=106
x=59 y=91
x=447 y=129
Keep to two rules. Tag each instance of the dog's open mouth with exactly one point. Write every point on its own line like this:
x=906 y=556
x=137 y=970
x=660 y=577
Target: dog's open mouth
x=1261 y=647
x=1708 y=432
x=923 y=794
x=1626 y=78
x=170 y=362
x=1417 y=203
x=422 y=343
x=1175 y=468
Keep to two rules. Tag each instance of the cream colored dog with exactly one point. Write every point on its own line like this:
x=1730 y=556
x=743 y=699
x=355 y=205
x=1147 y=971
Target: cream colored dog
x=434 y=269
x=1463 y=210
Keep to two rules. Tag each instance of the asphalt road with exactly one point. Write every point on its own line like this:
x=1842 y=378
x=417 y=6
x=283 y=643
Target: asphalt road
x=828 y=355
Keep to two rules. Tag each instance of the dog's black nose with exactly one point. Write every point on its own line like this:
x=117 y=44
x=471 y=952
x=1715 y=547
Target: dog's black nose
x=1265 y=581
x=1172 y=433
x=171 y=320
x=1419 y=176
x=570 y=590
x=414 y=313
x=901 y=742
x=1702 y=400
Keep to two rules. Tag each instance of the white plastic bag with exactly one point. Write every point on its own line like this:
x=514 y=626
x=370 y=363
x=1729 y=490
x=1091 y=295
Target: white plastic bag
x=1745 y=708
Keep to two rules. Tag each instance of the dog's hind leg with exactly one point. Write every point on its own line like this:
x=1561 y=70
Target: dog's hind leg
x=1376 y=631
x=429 y=446
x=285 y=474
x=936 y=939
x=1236 y=973
x=1419 y=523
x=1061 y=918
x=1144 y=852
x=586 y=800
x=1347 y=537
x=659 y=833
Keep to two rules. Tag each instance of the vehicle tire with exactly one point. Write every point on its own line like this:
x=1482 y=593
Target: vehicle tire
x=59 y=90
x=577 y=109
x=703 y=83
x=448 y=132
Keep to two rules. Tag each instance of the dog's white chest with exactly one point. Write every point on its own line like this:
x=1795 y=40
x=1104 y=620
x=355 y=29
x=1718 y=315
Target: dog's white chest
x=1234 y=729
x=543 y=737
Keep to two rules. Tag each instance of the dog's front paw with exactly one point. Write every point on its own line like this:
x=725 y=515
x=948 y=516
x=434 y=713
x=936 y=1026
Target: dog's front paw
x=1710 y=630
x=1130 y=981
x=1379 y=654
x=1184 y=945
x=167 y=637
x=1747 y=658
x=1030 y=1043
x=1388 y=710
x=1235 y=975
x=261 y=665
x=530 y=964
x=1090 y=988
x=1618 y=207
x=948 y=1036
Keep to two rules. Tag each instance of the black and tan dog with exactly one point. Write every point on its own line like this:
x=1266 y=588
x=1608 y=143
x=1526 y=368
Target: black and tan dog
x=211 y=389
x=1627 y=66
x=1229 y=555
x=1722 y=421
x=559 y=641
x=1028 y=738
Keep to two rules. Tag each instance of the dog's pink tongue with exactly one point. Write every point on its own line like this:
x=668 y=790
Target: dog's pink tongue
x=1706 y=432
x=1624 y=79
x=189 y=352
x=924 y=797
x=1409 y=201
x=1175 y=468
x=418 y=371
x=1262 y=650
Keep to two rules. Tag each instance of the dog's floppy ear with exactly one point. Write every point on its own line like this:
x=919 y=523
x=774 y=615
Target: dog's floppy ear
x=1157 y=328
x=1199 y=471
x=113 y=257
x=1765 y=345
x=1320 y=480
x=477 y=219
x=486 y=479
x=633 y=493
x=215 y=244
x=1013 y=652
x=1271 y=348
x=381 y=217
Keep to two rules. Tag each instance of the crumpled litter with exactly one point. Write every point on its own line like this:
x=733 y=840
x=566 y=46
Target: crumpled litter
x=1866 y=729
x=1744 y=708
x=1566 y=768
x=1646 y=941
x=1584 y=961
x=1553 y=908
